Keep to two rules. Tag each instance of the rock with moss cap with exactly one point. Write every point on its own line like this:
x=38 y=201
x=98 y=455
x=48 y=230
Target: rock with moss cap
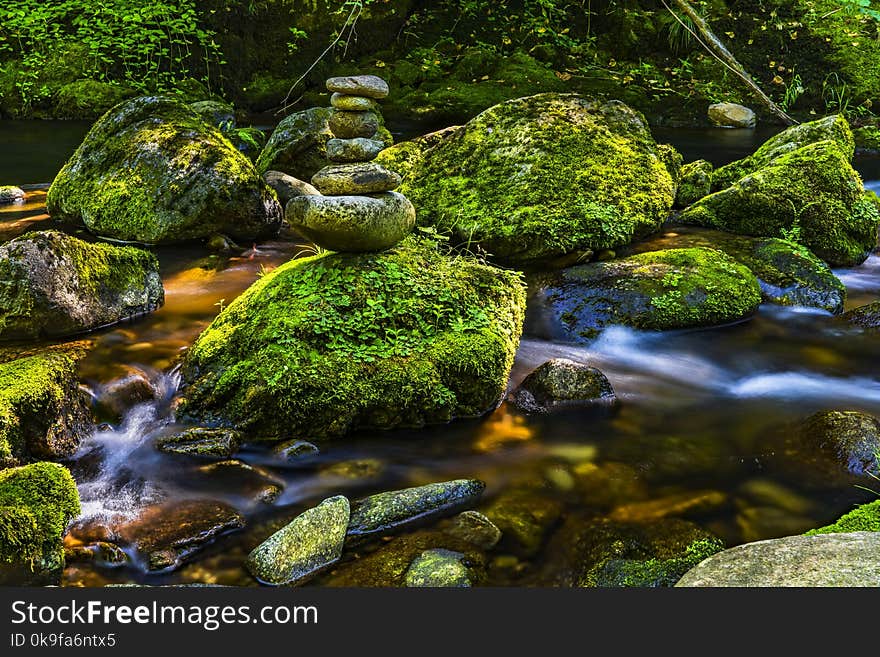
x=789 y=273
x=678 y=288
x=56 y=285
x=201 y=441
x=401 y=338
x=812 y=194
x=311 y=543
x=561 y=383
x=36 y=503
x=864 y=518
x=695 y=183
x=833 y=128
x=43 y=411
x=152 y=171
x=866 y=317
x=543 y=176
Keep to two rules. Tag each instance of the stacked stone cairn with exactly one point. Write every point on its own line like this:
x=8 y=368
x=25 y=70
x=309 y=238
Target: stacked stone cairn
x=358 y=209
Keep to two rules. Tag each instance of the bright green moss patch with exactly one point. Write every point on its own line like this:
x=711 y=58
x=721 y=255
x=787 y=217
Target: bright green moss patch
x=36 y=503
x=864 y=518
x=88 y=99
x=656 y=572
x=695 y=183
x=324 y=345
x=544 y=176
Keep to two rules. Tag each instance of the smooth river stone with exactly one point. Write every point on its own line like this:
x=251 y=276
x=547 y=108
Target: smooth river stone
x=389 y=512
x=356 y=178
x=353 y=223
x=310 y=543
x=358 y=149
x=370 y=86
x=352 y=103
x=348 y=125
x=438 y=568
x=10 y=194
x=288 y=187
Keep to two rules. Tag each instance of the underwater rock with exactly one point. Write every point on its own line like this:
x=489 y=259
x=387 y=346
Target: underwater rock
x=525 y=518
x=438 y=568
x=866 y=317
x=474 y=528
x=296 y=450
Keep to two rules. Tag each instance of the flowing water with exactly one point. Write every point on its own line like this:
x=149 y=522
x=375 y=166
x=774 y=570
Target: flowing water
x=700 y=410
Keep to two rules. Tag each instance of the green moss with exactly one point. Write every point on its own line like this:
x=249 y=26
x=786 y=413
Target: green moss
x=696 y=182
x=864 y=518
x=544 y=176
x=867 y=138
x=327 y=344
x=812 y=193
x=656 y=572
x=88 y=99
x=36 y=503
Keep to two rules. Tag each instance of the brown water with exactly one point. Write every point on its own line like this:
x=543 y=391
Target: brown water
x=701 y=411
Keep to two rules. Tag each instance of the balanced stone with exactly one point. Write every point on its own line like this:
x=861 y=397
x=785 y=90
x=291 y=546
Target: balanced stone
x=356 y=178
x=358 y=149
x=370 y=86
x=353 y=223
x=348 y=125
x=352 y=103
x=288 y=187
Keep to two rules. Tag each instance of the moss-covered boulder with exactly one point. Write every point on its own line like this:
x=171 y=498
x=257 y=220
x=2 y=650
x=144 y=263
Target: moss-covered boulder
x=864 y=518
x=831 y=128
x=678 y=288
x=328 y=344
x=52 y=284
x=152 y=171
x=36 y=503
x=811 y=195
x=867 y=138
x=789 y=274
x=43 y=412
x=695 y=183
x=544 y=176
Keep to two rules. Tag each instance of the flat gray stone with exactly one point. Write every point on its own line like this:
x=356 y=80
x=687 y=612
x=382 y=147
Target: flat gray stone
x=349 y=125
x=731 y=115
x=288 y=187
x=355 y=178
x=352 y=103
x=851 y=559
x=310 y=543
x=393 y=510
x=438 y=568
x=358 y=149
x=353 y=223
x=370 y=86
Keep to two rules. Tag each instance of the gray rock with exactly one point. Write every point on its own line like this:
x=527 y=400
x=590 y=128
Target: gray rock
x=288 y=187
x=220 y=115
x=352 y=103
x=57 y=285
x=201 y=441
x=562 y=383
x=731 y=115
x=850 y=559
x=348 y=125
x=866 y=317
x=353 y=223
x=370 y=86
x=117 y=396
x=394 y=510
x=355 y=178
x=11 y=194
x=476 y=529
x=310 y=543
x=358 y=149
x=296 y=450
x=438 y=568
x=297 y=146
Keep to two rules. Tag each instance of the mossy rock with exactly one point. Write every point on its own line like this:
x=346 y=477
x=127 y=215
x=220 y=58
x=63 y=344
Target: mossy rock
x=789 y=274
x=811 y=194
x=328 y=344
x=88 y=99
x=831 y=128
x=867 y=138
x=219 y=114
x=152 y=171
x=695 y=183
x=52 y=284
x=864 y=518
x=543 y=176
x=43 y=412
x=678 y=288
x=866 y=317
x=36 y=503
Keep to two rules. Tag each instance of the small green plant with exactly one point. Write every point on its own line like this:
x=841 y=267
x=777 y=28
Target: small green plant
x=310 y=249
x=221 y=304
x=793 y=91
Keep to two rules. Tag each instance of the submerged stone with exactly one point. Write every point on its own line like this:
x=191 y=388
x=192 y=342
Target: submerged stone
x=525 y=518
x=353 y=223
x=36 y=503
x=358 y=149
x=544 y=176
x=56 y=285
x=118 y=395
x=658 y=290
x=370 y=86
x=474 y=528
x=560 y=383
x=201 y=441
x=438 y=568
x=296 y=450
x=312 y=542
x=322 y=346
x=866 y=317
x=395 y=510
x=355 y=178
x=152 y=171
x=839 y=560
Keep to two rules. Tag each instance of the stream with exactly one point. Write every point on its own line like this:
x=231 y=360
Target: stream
x=700 y=410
